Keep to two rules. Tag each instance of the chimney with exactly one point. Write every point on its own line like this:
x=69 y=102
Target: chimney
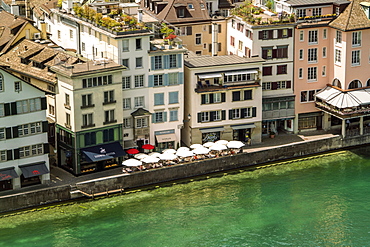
x=139 y=15
x=43 y=30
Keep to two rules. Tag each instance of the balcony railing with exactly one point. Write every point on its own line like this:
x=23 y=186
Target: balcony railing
x=203 y=86
x=360 y=110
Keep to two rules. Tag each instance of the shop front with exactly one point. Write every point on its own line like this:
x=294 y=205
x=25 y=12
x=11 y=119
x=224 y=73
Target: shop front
x=243 y=132
x=165 y=139
x=31 y=173
x=6 y=176
x=101 y=157
x=310 y=121
x=211 y=134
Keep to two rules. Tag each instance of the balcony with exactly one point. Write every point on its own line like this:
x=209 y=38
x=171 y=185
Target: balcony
x=208 y=87
x=343 y=113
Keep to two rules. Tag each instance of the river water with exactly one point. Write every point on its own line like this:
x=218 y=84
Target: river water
x=318 y=202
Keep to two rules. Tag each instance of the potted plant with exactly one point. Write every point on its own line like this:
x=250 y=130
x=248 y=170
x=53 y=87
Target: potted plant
x=272 y=134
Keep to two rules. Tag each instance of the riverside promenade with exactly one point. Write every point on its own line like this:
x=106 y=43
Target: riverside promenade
x=62 y=183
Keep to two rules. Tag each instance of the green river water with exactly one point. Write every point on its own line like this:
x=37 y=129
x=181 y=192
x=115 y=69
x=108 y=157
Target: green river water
x=318 y=202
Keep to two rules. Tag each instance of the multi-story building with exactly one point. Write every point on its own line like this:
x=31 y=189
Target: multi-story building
x=24 y=144
x=200 y=32
x=271 y=38
x=89 y=116
x=223 y=99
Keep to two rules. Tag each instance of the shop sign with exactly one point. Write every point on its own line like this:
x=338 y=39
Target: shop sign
x=104 y=153
x=5 y=176
x=210 y=137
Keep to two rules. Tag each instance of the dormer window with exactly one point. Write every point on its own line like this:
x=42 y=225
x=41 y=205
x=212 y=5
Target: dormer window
x=190 y=6
x=181 y=12
x=38 y=65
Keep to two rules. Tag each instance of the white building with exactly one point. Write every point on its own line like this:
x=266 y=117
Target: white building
x=23 y=134
x=223 y=99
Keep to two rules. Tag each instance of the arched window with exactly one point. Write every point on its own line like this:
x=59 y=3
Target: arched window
x=1 y=83
x=337 y=83
x=355 y=84
x=368 y=83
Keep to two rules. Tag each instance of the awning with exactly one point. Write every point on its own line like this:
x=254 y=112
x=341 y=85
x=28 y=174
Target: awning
x=209 y=130
x=244 y=126
x=104 y=151
x=240 y=72
x=213 y=75
x=8 y=173
x=33 y=170
x=166 y=138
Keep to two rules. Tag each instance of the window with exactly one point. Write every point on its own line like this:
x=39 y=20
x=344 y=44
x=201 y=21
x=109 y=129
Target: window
x=158 y=80
x=2 y=133
x=301 y=54
x=59 y=35
x=338 y=56
x=198 y=38
x=83 y=46
x=181 y=12
x=338 y=37
x=173 y=97
x=127 y=123
x=355 y=84
x=97 y=81
x=240 y=46
x=301 y=12
x=87 y=100
x=3 y=155
x=275 y=85
x=25 y=106
x=308 y=96
x=87 y=120
x=141 y=123
x=325 y=33
x=2 y=113
x=324 y=52
x=66 y=100
x=125 y=62
x=139 y=101
x=267 y=52
x=190 y=6
x=139 y=81
x=71 y=34
x=139 y=62
x=126 y=82
x=204 y=117
x=157 y=62
x=109 y=97
x=316 y=11
x=159 y=99
x=109 y=116
x=312 y=74
x=159 y=117
x=301 y=35
x=356 y=38
x=32 y=150
x=174 y=115
x=125 y=45
x=127 y=103
x=108 y=135
x=323 y=71
x=300 y=73
x=138 y=44
x=281 y=69
x=232 y=41
x=173 y=78
x=312 y=55
x=241 y=113
x=90 y=138
x=241 y=95
x=267 y=70
x=312 y=37
x=355 y=58
x=29 y=129
x=173 y=61
x=17 y=86
x=68 y=120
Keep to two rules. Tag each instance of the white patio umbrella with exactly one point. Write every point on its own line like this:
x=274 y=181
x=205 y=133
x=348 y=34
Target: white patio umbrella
x=197 y=145
x=218 y=147
x=154 y=154
x=132 y=162
x=140 y=156
x=201 y=150
x=150 y=159
x=222 y=142
x=168 y=156
x=185 y=153
x=235 y=144
x=169 y=151
x=183 y=149
x=208 y=144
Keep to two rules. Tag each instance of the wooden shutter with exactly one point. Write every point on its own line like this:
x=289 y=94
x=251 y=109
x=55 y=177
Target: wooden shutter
x=165 y=116
x=211 y=98
x=210 y=29
x=270 y=34
x=16 y=153
x=179 y=61
x=274 y=85
x=223 y=97
x=166 y=61
x=211 y=116
x=15 y=131
x=153 y=118
x=219 y=28
x=13 y=107
x=9 y=154
x=290 y=32
x=152 y=63
x=279 y=70
x=254 y=112
x=7 y=109
x=242 y=112
x=260 y=35
x=223 y=115
x=189 y=31
x=151 y=81
x=203 y=99
x=43 y=103
x=8 y=133
x=280 y=33
x=199 y=117
x=288 y=84
x=46 y=148
x=264 y=53
x=209 y=47
x=247 y=94
x=230 y=114
x=274 y=53
x=45 y=126
x=165 y=80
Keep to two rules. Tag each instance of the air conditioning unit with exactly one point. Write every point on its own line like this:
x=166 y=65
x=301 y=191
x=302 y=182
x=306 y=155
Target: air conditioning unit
x=37 y=36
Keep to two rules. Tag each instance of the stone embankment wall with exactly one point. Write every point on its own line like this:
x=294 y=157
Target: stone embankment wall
x=150 y=177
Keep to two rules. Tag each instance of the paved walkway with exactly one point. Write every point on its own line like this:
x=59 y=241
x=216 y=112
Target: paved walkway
x=59 y=176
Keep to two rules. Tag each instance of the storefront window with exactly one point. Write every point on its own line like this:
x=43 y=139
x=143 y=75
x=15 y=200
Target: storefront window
x=307 y=123
x=211 y=137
